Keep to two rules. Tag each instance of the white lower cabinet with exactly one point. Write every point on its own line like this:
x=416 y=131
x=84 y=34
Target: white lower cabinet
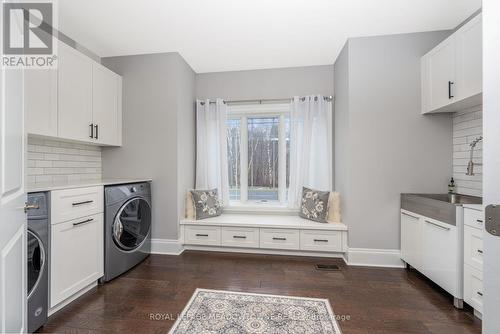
x=76 y=256
x=432 y=247
x=440 y=256
x=411 y=239
x=473 y=258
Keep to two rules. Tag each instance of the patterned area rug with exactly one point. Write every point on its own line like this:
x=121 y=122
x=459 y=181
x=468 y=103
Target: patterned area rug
x=212 y=311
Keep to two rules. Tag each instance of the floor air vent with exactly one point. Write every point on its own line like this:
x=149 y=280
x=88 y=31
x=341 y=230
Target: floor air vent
x=327 y=267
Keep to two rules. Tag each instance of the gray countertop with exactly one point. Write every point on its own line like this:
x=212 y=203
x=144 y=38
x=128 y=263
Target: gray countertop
x=49 y=186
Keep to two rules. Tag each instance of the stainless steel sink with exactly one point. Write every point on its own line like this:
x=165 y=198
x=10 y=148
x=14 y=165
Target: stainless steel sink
x=441 y=207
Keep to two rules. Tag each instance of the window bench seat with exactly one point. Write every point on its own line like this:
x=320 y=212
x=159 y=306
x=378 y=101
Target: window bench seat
x=268 y=234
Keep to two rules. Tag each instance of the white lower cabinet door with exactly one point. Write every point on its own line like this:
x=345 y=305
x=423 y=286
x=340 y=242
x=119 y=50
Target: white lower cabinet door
x=473 y=287
x=411 y=239
x=76 y=256
x=473 y=247
x=279 y=238
x=202 y=235
x=440 y=255
x=240 y=237
x=321 y=241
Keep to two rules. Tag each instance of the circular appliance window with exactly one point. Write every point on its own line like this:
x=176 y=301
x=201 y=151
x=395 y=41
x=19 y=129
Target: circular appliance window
x=36 y=261
x=132 y=224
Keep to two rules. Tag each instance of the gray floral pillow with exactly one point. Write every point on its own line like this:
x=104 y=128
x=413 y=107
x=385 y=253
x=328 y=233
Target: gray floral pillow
x=314 y=205
x=206 y=203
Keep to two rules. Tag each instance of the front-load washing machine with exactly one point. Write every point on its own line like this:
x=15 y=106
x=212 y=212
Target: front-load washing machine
x=127 y=227
x=37 y=256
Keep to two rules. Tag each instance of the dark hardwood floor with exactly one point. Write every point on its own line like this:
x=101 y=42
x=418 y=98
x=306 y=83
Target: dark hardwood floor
x=376 y=300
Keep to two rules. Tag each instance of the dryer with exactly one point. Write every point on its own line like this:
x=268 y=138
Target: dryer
x=127 y=227
x=37 y=256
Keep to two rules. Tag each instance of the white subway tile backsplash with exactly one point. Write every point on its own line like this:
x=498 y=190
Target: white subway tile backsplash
x=467 y=126
x=57 y=161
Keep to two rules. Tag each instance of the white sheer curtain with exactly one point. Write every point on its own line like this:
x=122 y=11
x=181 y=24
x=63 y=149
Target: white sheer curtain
x=310 y=146
x=211 y=147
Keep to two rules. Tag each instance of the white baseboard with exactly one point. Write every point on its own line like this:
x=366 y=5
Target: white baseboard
x=166 y=246
x=263 y=251
x=390 y=258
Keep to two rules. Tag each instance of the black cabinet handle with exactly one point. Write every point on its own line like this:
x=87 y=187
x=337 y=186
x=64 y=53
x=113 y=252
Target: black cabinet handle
x=239 y=237
x=81 y=203
x=202 y=235
x=479 y=220
x=282 y=239
x=91 y=130
x=320 y=240
x=449 y=90
x=83 y=222
x=96 y=131
x=480 y=251
x=480 y=293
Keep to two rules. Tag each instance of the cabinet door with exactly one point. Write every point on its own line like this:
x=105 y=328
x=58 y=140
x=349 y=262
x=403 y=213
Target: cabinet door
x=40 y=101
x=473 y=247
x=440 y=255
x=76 y=256
x=411 y=239
x=74 y=94
x=469 y=59
x=105 y=85
x=440 y=76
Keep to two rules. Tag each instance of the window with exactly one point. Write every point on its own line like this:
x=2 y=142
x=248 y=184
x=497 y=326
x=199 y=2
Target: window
x=258 y=148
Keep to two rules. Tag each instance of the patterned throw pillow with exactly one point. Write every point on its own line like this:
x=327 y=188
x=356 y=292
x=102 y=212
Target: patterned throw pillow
x=207 y=203
x=314 y=205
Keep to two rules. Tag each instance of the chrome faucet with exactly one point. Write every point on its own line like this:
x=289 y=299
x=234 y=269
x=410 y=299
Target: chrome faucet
x=470 y=165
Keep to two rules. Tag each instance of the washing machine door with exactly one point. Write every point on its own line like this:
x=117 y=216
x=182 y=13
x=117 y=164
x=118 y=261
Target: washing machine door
x=132 y=224
x=36 y=261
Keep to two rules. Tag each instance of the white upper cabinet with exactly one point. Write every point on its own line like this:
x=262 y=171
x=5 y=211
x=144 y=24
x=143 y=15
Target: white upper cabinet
x=105 y=105
x=81 y=100
x=74 y=94
x=469 y=59
x=452 y=71
x=40 y=102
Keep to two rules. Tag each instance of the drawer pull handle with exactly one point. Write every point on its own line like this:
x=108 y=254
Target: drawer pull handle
x=480 y=293
x=81 y=203
x=320 y=240
x=239 y=237
x=282 y=239
x=411 y=216
x=479 y=220
x=201 y=235
x=83 y=222
x=437 y=225
x=480 y=251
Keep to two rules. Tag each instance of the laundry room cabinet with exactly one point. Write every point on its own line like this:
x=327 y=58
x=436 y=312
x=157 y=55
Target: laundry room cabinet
x=78 y=101
x=451 y=73
x=77 y=242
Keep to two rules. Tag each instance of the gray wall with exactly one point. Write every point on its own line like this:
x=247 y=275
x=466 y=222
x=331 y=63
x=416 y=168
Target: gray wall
x=390 y=147
x=266 y=84
x=158 y=97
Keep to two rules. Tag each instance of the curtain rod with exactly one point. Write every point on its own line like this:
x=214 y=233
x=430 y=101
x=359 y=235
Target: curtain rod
x=263 y=101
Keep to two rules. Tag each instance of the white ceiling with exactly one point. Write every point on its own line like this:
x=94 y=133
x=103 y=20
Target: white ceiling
x=225 y=35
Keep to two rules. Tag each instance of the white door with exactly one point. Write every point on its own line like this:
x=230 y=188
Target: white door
x=411 y=239
x=13 y=294
x=441 y=74
x=491 y=160
x=74 y=94
x=105 y=105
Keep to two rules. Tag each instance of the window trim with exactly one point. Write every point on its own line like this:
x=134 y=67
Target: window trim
x=242 y=112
